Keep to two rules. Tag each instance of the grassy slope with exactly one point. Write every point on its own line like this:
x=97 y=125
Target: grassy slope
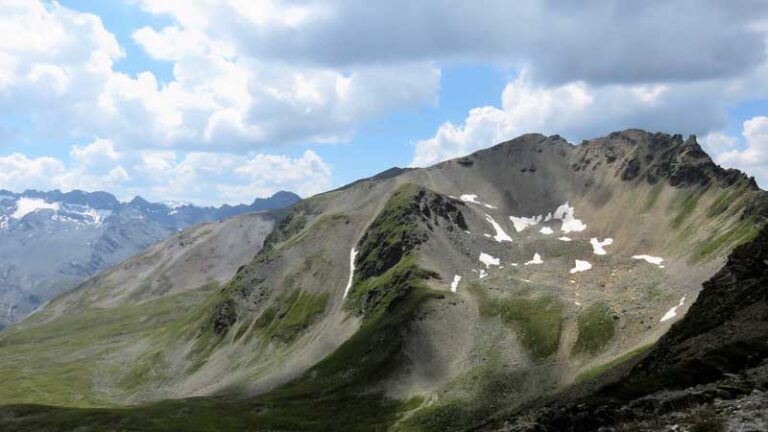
x=59 y=362
x=333 y=395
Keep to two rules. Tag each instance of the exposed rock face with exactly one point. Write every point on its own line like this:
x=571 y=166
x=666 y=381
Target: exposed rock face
x=654 y=157
x=381 y=248
x=726 y=329
x=223 y=317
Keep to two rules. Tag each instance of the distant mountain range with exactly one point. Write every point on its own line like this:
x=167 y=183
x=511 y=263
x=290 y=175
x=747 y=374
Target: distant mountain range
x=50 y=241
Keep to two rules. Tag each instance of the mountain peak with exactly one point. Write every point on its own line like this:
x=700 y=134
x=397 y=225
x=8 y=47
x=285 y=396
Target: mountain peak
x=138 y=200
x=647 y=156
x=282 y=196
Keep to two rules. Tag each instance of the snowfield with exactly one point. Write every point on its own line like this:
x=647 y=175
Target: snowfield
x=567 y=214
x=25 y=206
x=522 y=223
x=650 y=259
x=488 y=260
x=352 y=256
x=581 y=266
x=564 y=213
x=472 y=198
x=672 y=312
x=500 y=235
x=598 y=246
x=455 y=283
x=536 y=260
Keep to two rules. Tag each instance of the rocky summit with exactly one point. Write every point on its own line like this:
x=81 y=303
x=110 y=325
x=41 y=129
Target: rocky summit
x=535 y=285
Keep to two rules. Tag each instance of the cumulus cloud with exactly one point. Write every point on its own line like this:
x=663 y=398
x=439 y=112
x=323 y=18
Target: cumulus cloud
x=753 y=156
x=718 y=142
x=598 y=41
x=579 y=110
x=18 y=172
x=199 y=177
x=57 y=70
x=223 y=99
x=232 y=178
x=53 y=64
x=255 y=74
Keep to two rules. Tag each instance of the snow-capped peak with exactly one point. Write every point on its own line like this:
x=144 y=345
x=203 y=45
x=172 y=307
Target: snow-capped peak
x=25 y=206
x=173 y=205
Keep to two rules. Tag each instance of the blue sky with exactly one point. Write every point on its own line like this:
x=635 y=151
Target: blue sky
x=215 y=102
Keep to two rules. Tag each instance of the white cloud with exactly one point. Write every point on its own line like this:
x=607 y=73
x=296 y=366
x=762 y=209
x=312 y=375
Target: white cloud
x=307 y=175
x=753 y=157
x=99 y=152
x=252 y=74
x=578 y=110
x=18 y=172
x=223 y=99
x=526 y=107
x=718 y=142
x=599 y=41
x=198 y=177
x=230 y=177
x=57 y=71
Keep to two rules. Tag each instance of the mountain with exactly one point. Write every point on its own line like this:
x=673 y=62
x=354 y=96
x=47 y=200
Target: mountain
x=51 y=241
x=426 y=299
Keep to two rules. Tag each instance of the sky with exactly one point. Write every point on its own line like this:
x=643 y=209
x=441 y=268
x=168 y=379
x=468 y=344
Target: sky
x=223 y=101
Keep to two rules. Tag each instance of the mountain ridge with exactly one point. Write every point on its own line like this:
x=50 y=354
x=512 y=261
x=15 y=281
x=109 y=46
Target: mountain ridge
x=445 y=296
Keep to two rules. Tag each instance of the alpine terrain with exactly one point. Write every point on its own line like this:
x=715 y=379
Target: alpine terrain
x=534 y=285
x=51 y=241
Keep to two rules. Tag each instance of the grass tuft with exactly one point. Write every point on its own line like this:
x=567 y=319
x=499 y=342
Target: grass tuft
x=596 y=328
x=538 y=321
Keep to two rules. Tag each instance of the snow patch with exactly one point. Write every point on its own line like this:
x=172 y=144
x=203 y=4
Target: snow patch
x=96 y=216
x=672 y=312
x=536 y=260
x=522 y=223
x=483 y=274
x=500 y=236
x=597 y=245
x=566 y=213
x=581 y=266
x=173 y=205
x=651 y=259
x=472 y=198
x=25 y=206
x=565 y=239
x=488 y=260
x=352 y=256
x=546 y=231
x=455 y=283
